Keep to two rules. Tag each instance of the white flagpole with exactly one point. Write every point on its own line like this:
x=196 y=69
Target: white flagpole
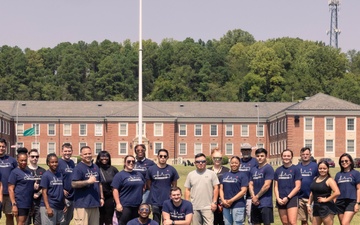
x=140 y=74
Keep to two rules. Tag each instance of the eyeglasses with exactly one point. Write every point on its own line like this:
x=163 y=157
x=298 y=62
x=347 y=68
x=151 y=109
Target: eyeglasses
x=163 y=156
x=217 y=158
x=130 y=161
x=344 y=161
x=144 y=210
x=34 y=156
x=200 y=161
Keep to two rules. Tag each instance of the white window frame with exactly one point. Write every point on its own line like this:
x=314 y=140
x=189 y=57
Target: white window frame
x=184 y=145
x=157 y=145
x=328 y=119
x=143 y=129
x=51 y=145
x=80 y=130
x=95 y=147
x=347 y=124
x=123 y=129
x=183 y=128
x=306 y=143
x=158 y=129
x=327 y=146
x=306 y=121
x=353 y=146
x=198 y=127
x=229 y=146
x=67 y=128
x=258 y=130
x=48 y=129
x=35 y=145
x=247 y=130
x=19 y=129
x=198 y=148
x=37 y=128
x=121 y=143
x=215 y=126
x=229 y=130
x=213 y=145
x=98 y=129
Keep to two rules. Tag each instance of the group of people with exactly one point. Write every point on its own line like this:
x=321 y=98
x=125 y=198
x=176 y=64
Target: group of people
x=96 y=192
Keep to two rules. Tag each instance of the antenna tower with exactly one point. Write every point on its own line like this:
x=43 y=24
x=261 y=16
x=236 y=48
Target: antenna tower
x=334 y=29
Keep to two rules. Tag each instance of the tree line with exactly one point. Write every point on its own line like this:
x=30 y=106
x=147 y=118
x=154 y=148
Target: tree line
x=234 y=68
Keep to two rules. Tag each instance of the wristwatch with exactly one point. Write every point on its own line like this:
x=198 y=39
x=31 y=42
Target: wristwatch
x=14 y=204
x=215 y=203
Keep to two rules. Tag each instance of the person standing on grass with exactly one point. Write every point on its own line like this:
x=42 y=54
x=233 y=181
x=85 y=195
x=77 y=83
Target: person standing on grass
x=261 y=190
x=287 y=183
x=66 y=167
x=52 y=206
x=308 y=170
x=202 y=190
x=159 y=179
x=348 y=181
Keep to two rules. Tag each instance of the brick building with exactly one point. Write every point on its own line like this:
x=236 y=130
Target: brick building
x=324 y=123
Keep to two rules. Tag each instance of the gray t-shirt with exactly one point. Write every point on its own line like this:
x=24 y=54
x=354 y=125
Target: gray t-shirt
x=201 y=186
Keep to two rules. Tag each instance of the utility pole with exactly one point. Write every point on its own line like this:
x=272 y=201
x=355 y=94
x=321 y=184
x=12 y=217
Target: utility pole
x=334 y=26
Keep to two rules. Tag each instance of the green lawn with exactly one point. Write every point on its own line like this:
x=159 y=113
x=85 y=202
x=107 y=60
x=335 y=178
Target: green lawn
x=184 y=170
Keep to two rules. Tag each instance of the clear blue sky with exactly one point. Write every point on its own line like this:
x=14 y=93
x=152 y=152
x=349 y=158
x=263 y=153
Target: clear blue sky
x=45 y=23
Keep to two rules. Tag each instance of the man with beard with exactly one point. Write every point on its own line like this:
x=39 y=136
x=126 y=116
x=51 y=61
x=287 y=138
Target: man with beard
x=177 y=210
x=144 y=212
x=246 y=164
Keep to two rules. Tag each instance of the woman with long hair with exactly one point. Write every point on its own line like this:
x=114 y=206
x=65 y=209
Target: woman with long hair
x=323 y=193
x=128 y=186
x=107 y=173
x=348 y=181
x=219 y=169
x=287 y=183
x=233 y=187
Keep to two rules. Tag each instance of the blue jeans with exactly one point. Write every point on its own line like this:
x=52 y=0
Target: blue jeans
x=234 y=216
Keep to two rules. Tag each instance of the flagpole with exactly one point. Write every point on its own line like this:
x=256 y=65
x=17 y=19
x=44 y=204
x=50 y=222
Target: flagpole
x=140 y=126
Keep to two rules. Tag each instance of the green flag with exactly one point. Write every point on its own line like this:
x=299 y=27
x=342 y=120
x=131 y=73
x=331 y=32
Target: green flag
x=29 y=132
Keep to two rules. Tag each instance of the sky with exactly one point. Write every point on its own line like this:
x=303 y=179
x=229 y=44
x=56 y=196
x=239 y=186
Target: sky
x=45 y=23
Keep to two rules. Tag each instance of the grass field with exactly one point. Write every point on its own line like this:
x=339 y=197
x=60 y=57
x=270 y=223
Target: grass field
x=184 y=170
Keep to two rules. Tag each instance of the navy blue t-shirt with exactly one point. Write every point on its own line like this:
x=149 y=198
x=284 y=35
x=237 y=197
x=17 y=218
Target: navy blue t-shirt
x=286 y=178
x=143 y=165
x=180 y=212
x=308 y=173
x=246 y=166
x=88 y=196
x=258 y=177
x=7 y=164
x=24 y=187
x=161 y=179
x=347 y=182
x=232 y=183
x=53 y=183
x=130 y=186
x=66 y=168
x=137 y=222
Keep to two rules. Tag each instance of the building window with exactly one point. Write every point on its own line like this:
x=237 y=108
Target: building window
x=98 y=147
x=309 y=123
x=158 y=129
x=244 y=130
x=308 y=143
x=284 y=124
x=142 y=131
x=82 y=144
x=20 y=144
x=51 y=147
x=157 y=147
x=51 y=129
x=36 y=126
x=82 y=129
x=213 y=145
x=329 y=124
x=182 y=149
x=197 y=148
x=260 y=130
x=123 y=149
x=20 y=129
x=260 y=145
x=182 y=129
x=198 y=130
x=67 y=129
x=350 y=124
x=329 y=145
x=229 y=130
x=35 y=145
x=98 y=129
x=213 y=130
x=123 y=129
x=229 y=149
x=350 y=147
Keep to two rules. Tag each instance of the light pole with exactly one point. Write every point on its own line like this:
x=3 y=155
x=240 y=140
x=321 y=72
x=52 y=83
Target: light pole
x=258 y=125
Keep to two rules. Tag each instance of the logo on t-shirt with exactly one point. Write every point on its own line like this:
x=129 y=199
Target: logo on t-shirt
x=285 y=176
x=134 y=179
x=91 y=173
x=229 y=179
x=68 y=169
x=345 y=179
x=305 y=173
x=56 y=181
x=139 y=168
x=28 y=176
x=257 y=175
x=177 y=215
x=244 y=168
x=4 y=164
x=161 y=176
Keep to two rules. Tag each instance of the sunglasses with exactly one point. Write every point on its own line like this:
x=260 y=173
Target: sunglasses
x=34 y=156
x=217 y=158
x=163 y=156
x=130 y=161
x=344 y=161
x=200 y=161
x=144 y=210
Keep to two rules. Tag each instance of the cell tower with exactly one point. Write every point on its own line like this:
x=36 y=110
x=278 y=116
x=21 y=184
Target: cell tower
x=334 y=29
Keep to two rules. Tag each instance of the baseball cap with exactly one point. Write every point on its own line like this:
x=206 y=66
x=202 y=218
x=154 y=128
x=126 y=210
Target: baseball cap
x=245 y=146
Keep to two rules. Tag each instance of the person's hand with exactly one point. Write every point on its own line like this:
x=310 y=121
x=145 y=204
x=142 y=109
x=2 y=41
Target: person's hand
x=119 y=207
x=49 y=212
x=65 y=209
x=167 y=222
x=213 y=206
x=321 y=199
x=66 y=193
x=36 y=186
x=356 y=208
x=14 y=210
x=92 y=179
x=255 y=200
x=102 y=202
x=309 y=208
x=280 y=201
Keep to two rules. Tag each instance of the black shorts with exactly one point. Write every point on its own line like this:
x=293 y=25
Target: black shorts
x=23 y=212
x=345 y=204
x=324 y=209
x=293 y=202
x=263 y=215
